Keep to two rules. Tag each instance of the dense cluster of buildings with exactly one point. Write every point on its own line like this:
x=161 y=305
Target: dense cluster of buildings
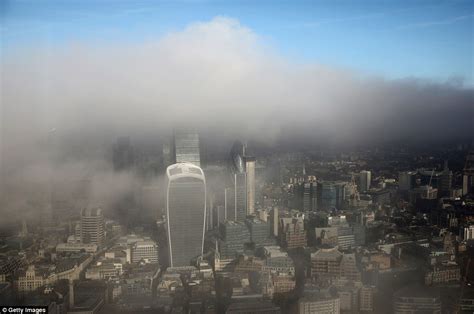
x=363 y=232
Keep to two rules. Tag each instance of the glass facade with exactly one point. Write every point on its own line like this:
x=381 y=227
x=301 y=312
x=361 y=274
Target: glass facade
x=186 y=148
x=328 y=195
x=186 y=209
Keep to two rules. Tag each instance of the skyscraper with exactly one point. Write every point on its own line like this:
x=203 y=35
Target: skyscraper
x=185 y=212
x=186 y=147
x=239 y=181
x=91 y=229
x=365 y=179
x=123 y=157
x=250 y=171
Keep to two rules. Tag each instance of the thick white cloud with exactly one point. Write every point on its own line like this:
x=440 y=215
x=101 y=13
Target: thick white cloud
x=216 y=74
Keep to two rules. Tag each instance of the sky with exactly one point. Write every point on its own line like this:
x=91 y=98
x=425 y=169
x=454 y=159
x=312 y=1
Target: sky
x=432 y=40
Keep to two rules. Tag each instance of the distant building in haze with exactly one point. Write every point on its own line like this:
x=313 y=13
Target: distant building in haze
x=185 y=212
x=123 y=154
x=242 y=171
x=416 y=299
x=186 y=147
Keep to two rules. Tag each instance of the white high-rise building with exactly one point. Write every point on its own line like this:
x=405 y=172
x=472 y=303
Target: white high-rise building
x=365 y=179
x=185 y=212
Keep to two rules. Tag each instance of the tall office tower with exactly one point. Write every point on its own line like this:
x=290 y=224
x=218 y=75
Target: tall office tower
x=309 y=196
x=123 y=154
x=229 y=204
x=406 y=180
x=292 y=232
x=468 y=174
x=237 y=167
x=365 y=178
x=250 y=170
x=185 y=212
x=259 y=231
x=234 y=235
x=340 y=194
x=92 y=227
x=186 y=147
x=446 y=181
x=221 y=214
x=328 y=195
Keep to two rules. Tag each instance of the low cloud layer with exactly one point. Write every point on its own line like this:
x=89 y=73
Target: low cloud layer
x=218 y=76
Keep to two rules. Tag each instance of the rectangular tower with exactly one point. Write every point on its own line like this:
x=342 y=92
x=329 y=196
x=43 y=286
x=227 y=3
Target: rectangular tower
x=185 y=212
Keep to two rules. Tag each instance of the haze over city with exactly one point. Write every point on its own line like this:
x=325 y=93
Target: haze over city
x=314 y=111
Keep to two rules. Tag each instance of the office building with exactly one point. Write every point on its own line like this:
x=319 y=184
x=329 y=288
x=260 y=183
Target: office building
x=327 y=198
x=146 y=251
x=91 y=228
x=259 y=231
x=292 y=232
x=366 y=298
x=446 y=181
x=234 y=235
x=319 y=302
x=240 y=196
x=186 y=147
x=185 y=212
x=123 y=154
x=416 y=299
x=365 y=178
x=468 y=174
x=349 y=269
x=274 y=213
x=229 y=204
x=237 y=169
x=406 y=180
x=308 y=192
x=326 y=263
x=469 y=233
x=250 y=174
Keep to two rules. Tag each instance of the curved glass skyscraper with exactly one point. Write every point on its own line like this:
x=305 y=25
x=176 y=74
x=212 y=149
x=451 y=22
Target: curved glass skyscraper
x=185 y=212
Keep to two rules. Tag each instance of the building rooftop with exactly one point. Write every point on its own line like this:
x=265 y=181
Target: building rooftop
x=327 y=254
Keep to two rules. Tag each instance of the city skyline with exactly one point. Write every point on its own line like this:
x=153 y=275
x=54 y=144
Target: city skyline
x=238 y=156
